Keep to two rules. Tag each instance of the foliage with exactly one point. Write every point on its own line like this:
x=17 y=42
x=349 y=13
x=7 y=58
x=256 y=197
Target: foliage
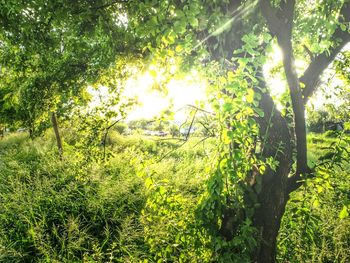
x=315 y=227
x=171 y=229
x=49 y=213
x=174 y=130
x=317 y=120
x=228 y=205
x=51 y=51
x=133 y=209
x=121 y=128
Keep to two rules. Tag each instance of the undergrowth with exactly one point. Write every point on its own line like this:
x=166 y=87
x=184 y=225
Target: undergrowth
x=140 y=205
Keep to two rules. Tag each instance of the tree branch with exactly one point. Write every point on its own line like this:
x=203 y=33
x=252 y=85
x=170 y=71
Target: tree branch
x=308 y=51
x=311 y=79
x=200 y=109
x=274 y=23
x=110 y=4
x=283 y=32
x=96 y=8
x=311 y=76
x=105 y=136
x=189 y=129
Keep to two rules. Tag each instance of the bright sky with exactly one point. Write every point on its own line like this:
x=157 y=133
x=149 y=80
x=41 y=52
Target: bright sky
x=152 y=102
x=192 y=89
x=278 y=86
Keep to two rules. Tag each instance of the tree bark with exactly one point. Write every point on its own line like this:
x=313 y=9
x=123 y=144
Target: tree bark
x=57 y=134
x=273 y=196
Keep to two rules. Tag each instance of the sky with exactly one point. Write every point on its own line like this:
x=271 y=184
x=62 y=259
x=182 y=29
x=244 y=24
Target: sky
x=188 y=91
x=192 y=89
x=278 y=86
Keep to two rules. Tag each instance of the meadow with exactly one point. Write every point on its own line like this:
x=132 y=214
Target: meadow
x=142 y=204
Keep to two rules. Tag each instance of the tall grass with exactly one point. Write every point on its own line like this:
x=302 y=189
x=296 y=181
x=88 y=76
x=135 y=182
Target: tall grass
x=73 y=211
x=312 y=229
x=48 y=213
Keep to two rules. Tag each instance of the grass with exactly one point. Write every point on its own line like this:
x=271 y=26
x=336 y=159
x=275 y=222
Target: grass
x=312 y=229
x=74 y=211
x=49 y=213
x=54 y=211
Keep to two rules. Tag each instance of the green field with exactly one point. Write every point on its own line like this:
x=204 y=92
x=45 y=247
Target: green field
x=78 y=210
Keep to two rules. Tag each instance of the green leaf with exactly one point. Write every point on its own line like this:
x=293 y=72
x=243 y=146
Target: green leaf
x=178 y=48
x=262 y=169
x=228 y=106
x=148 y=182
x=222 y=80
x=193 y=22
x=343 y=213
x=260 y=112
x=343 y=27
x=180 y=27
x=250 y=96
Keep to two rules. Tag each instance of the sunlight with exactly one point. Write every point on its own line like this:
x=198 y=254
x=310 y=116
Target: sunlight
x=152 y=102
x=276 y=84
x=190 y=90
x=240 y=13
x=276 y=81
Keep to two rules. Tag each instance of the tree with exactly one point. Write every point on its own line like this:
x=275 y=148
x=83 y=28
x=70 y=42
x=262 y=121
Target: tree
x=174 y=130
x=342 y=66
x=50 y=52
x=283 y=23
x=317 y=120
x=263 y=156
x=335 y=107
x=238 y=35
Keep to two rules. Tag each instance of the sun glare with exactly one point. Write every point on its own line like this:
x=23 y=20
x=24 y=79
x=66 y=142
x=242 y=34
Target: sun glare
x=276 y=84
x=191 y=89
x=152 y=102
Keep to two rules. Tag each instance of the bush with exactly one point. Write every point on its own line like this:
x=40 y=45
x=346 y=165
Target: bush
x=120 y=128
x=331 y=134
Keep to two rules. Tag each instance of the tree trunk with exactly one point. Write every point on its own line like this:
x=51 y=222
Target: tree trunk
x=57 y=134
x=274 y=194
x=267 y=218
x=31 y=133
x=273 y=197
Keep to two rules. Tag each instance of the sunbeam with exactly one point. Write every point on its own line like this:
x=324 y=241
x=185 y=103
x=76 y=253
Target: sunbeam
x=236 y=15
